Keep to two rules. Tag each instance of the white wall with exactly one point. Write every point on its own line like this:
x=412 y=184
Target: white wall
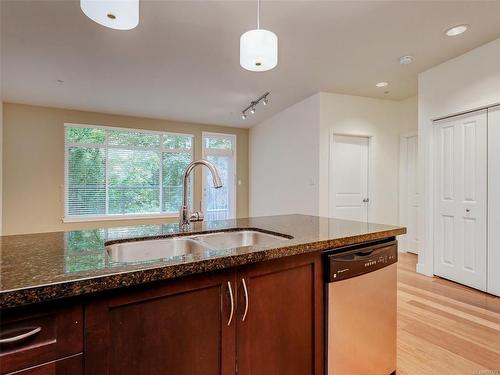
x=465 y=83
x=289 y=153
x=283 y=160
x=383 y=121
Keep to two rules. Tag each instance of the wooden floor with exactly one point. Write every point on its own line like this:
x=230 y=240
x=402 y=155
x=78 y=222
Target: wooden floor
x=444 y=327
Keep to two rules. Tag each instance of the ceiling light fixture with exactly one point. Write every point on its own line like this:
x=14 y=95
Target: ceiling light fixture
x=115 y=14
x=381 y=84
x=263 y=98
x=405 y=60
x=258 y=48
x=456 y=30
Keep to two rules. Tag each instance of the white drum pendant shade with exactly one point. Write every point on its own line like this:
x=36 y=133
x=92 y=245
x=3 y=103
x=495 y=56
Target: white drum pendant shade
x=259 y=50
x=115 y=14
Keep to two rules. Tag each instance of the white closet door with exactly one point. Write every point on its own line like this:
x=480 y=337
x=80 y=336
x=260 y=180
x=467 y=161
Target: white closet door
x=494 y=200
x=349 y=178
x=460 y=166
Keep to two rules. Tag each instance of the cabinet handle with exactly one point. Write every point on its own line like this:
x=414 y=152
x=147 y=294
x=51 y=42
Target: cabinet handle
x=246 y=300
x=20 y=337
x=232 y=303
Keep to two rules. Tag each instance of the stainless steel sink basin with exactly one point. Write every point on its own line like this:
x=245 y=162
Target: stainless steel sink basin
x=140 y=251
x=144 y=250
x=229 y=240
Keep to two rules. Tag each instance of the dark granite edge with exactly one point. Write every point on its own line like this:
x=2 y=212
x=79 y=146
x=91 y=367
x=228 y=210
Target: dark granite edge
x=95 y=284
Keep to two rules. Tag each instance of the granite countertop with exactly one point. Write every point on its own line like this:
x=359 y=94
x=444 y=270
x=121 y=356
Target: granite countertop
x=47 y=266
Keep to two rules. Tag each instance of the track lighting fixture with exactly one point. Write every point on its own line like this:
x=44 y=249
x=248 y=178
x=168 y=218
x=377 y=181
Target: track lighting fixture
x=264 y=99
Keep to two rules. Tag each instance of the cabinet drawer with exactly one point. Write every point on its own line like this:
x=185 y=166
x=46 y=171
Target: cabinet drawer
x=67 y=366
x=37 y=334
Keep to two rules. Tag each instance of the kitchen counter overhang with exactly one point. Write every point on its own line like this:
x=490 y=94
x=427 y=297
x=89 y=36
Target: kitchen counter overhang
x=47 y=266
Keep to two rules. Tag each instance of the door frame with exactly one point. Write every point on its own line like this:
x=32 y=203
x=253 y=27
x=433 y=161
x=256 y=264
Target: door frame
x=369 y=137
x=403 y=204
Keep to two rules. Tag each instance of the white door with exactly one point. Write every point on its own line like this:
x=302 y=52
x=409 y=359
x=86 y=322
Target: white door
x=349 y=178
x=494 y=200
x=409 y=192
x=461 y=197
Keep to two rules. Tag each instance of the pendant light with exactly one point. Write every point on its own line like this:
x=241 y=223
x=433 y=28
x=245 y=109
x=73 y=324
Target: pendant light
x=115 y=14
x=258 y=48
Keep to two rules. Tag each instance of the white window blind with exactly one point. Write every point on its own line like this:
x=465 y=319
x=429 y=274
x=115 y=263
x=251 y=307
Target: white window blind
x=120 y=172
x=220 y=149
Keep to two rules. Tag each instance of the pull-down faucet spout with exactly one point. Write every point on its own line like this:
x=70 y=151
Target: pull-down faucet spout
x=186 y=217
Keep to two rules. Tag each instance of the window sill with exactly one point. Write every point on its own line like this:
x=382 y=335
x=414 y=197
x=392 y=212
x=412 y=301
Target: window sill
x=118 y=217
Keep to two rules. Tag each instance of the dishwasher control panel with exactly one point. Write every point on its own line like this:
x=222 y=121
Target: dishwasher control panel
x=356 y=260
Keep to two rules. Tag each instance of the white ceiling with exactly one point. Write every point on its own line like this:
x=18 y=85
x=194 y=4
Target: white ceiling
x=182 y=61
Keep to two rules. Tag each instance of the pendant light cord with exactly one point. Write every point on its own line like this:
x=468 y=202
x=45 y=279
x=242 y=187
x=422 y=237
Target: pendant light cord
x=258 y=14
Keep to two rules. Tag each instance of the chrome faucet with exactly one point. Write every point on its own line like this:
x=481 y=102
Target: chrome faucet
x=186 y=217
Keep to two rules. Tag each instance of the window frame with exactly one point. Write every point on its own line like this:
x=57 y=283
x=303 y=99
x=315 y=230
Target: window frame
x=130 y=216
x=221 y=152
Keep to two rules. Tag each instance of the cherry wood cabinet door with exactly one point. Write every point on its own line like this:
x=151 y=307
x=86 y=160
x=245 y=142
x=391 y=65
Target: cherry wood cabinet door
x=176 y=328
x=280 y=329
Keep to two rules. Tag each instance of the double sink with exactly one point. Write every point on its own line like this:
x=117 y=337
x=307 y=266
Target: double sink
x=144 y=250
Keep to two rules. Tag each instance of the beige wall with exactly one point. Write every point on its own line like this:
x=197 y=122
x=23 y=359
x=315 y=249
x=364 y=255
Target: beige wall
x=283 y=154
x=383 y=121
x=1 y=164
x=291 y=152
x=33 y=164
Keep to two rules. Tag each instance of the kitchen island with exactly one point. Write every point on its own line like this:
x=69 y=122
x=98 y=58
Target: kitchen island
x=253 y=309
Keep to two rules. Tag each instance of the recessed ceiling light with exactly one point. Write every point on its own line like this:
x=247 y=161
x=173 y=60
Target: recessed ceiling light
x=456 y=30
x=381 y=84
x=405 y=60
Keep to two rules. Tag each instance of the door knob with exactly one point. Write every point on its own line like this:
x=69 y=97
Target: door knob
x=366 y=200
x=467 y=210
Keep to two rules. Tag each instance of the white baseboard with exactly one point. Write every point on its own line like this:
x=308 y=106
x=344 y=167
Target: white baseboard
x=422 y=269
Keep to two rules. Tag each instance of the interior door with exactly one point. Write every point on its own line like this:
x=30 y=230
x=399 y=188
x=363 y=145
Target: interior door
x=460 y=167
x=412 y=194
x=349 y=178
x=494 y=200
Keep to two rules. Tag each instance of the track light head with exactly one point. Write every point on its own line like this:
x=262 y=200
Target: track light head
x=243 y=115
x=252 y=110
x=265 y=101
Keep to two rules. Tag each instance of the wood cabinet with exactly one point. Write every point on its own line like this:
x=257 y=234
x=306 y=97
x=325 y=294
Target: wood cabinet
x=265 y=318
x=282 y=329
x=36 y=335
x=66 y=366
x=176 y=328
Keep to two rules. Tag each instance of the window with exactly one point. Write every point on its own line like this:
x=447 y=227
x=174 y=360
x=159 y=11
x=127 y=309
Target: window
x=220 y=149
x=121 y=172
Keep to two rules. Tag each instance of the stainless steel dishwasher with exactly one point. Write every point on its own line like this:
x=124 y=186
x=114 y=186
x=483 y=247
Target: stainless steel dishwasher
x=361 y=309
